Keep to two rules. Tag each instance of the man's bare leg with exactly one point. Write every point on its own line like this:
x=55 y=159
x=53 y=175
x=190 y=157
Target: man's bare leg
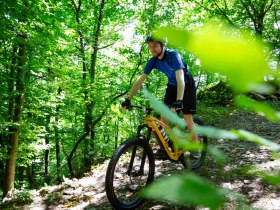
x=164 y=120
x=189 y=120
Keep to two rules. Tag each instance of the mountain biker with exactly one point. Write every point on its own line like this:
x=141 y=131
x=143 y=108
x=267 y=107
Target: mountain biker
x=180 y=91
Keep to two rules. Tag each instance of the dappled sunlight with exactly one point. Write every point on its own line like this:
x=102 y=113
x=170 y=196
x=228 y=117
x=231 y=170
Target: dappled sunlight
x=269 y=165
x=66 y=66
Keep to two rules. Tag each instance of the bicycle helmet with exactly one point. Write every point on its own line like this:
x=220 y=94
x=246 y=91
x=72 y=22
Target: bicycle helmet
x=152 y=39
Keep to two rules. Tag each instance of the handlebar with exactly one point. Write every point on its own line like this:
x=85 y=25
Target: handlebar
x=144 y=109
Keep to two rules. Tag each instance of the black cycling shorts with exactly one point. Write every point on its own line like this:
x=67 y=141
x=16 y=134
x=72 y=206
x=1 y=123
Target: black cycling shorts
x=189 y=100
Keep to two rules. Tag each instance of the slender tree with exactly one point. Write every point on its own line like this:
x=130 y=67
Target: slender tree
x=16 y=105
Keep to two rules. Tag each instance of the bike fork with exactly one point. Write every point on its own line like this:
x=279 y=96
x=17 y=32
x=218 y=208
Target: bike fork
x=143 y=159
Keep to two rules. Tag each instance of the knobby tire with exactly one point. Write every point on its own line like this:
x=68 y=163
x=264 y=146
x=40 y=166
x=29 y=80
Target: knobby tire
x=195 y=163
x=124 y=177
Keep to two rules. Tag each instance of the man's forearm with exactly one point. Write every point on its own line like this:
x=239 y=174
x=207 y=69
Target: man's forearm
x=137 y=85
x=180 y=90
x=180 y=84
x=134 y=90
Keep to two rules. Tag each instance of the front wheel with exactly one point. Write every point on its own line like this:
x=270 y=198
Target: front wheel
x=196 y=158
x=130 y=169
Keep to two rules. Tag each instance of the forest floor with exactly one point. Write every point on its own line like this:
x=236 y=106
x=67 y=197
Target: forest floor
x=88 y=192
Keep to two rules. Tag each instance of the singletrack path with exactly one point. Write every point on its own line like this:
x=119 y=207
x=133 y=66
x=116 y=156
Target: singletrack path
x=88 y=192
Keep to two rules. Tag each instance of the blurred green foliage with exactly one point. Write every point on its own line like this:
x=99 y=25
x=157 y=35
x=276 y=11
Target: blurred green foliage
x=188 y=189
x=230 y=52
x=241 y=58
x=259 y=107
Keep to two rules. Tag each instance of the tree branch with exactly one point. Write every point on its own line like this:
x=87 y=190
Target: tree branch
x=99 y=48
x=223 y=13
x=138 y=64
x=269 y=7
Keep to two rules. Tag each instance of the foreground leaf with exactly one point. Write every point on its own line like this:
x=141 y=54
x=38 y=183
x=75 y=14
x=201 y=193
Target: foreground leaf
x=257 y=139
x=269 y=113
x=215 y=132
x=272 y=178
x=187 y=189
x=162 y=109
x=233 y=53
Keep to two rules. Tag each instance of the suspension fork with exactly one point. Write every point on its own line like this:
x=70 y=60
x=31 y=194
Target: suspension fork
x=144 y=155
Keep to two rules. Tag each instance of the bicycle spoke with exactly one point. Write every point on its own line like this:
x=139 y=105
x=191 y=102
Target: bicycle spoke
x=194 y=159
x=131 y=172
x=131 y=180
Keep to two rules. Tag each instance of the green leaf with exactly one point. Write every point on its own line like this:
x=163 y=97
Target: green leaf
x=270 y=113
x=233 y=53
x=257 y=139
x=215 y=132
x=187 y=189
x=162 y=109
x=272 y=179
x=235 y=134
x=183 y=139
x=218 y=154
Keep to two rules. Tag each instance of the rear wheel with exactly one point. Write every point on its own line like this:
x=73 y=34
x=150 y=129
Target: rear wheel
x=131 y=168
x=194 y=159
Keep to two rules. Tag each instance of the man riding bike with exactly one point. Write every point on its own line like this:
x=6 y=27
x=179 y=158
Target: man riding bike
x=180 y=91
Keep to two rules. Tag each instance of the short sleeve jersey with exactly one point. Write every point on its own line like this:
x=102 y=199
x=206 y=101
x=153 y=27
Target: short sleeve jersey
x=169 y=64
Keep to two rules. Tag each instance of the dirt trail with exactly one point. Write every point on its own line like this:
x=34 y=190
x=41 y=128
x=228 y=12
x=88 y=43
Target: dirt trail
x=88 y=192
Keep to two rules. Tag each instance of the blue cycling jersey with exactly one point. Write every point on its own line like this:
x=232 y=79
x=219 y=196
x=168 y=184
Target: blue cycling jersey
x=169 y=64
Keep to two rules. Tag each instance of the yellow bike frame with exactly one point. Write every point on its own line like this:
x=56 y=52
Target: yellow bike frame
x=154 y=123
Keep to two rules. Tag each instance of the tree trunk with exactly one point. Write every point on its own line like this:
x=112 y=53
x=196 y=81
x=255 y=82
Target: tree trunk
x=8 y=188
x=29 y=170
x=116 y=134
x=15 y=105
x=257 y=12
x=11 y=84
x=12 y=143
x=92 y=78
x=2 y=164
x=47 y=151
x=88 y=124
x=57 y=143
x=69 y=158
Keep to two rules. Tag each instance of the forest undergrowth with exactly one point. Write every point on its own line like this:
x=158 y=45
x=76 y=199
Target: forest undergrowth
x=88 y=192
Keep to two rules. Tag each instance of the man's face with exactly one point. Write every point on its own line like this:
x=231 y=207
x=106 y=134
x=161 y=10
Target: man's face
x=155 y=48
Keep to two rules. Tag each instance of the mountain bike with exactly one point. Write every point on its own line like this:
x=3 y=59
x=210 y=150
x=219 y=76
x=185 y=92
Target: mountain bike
x=132 y=166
